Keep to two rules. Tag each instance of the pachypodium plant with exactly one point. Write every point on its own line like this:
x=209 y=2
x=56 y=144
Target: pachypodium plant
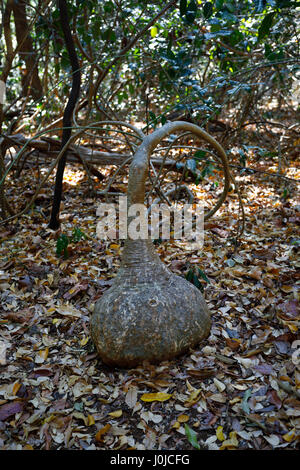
x=149 y=313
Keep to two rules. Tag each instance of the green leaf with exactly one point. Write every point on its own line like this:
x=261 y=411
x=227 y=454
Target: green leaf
x=65 y=60
x=207 y=170
x=62 y=245
x=192 y=436
x=203 y=275
x=77 y=235
x=219 y=4
x=183 y=7
x=108 y=7
x=243 y=157
x=273 y=55
x=230 y=7
x=153 y=31
x=191 y=12
x=193 y=278
x=131 y=89
x=207 y=10
x=200 y=154
x=190 y=275
x=265 y=25
x=109 y=35
x=197 y=283
x=153 y=118
x=163 y=120
x=285 y=193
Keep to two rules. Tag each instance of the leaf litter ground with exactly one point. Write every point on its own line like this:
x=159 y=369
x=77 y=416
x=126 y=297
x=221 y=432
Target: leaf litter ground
x=240 y=389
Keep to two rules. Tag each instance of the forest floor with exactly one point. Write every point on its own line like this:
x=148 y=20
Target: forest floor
x=240 y=389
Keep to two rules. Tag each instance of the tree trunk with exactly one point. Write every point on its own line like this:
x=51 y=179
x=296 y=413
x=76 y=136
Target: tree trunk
x=30 y=78
x=74 y=95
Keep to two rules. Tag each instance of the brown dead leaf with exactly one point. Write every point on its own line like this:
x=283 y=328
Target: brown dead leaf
x=101 y=432
x=9 y=409
x=21 y=316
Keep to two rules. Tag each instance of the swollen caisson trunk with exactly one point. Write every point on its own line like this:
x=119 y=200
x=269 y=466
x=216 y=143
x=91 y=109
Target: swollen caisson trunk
x=149 y=313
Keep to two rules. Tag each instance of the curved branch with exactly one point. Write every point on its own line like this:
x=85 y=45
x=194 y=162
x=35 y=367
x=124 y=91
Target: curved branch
x=139 y=166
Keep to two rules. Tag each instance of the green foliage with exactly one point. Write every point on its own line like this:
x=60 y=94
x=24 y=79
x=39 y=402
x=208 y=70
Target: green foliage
x=191 y=436
x=266 y=25
x=193 y=277
x=62 y=245
x=77 y=235
x=197 y=58
x=64 y=240
x=207 y=10
x=188 y=10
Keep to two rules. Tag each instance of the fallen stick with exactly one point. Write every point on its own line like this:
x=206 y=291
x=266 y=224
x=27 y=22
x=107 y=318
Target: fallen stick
x=49 y=147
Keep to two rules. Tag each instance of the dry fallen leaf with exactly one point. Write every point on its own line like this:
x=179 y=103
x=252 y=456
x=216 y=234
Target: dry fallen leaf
x=55 y=398
x=220 y=434
x=91 y=420
x=16 y=388
x=131 y=397
x=230 y=443
x=193 y=397
x=159 y=396
x=9 y=409
x=69 y=311
x=116 y=414
x=3 y=348
x=273 y=440
x=42 y=356
x=289 y=436
x=100 y=433
x=183 y=418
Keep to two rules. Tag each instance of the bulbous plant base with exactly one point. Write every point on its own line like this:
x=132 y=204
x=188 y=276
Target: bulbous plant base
x=149 y=314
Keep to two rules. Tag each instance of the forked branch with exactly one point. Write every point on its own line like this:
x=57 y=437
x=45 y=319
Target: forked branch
x=139 y=166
